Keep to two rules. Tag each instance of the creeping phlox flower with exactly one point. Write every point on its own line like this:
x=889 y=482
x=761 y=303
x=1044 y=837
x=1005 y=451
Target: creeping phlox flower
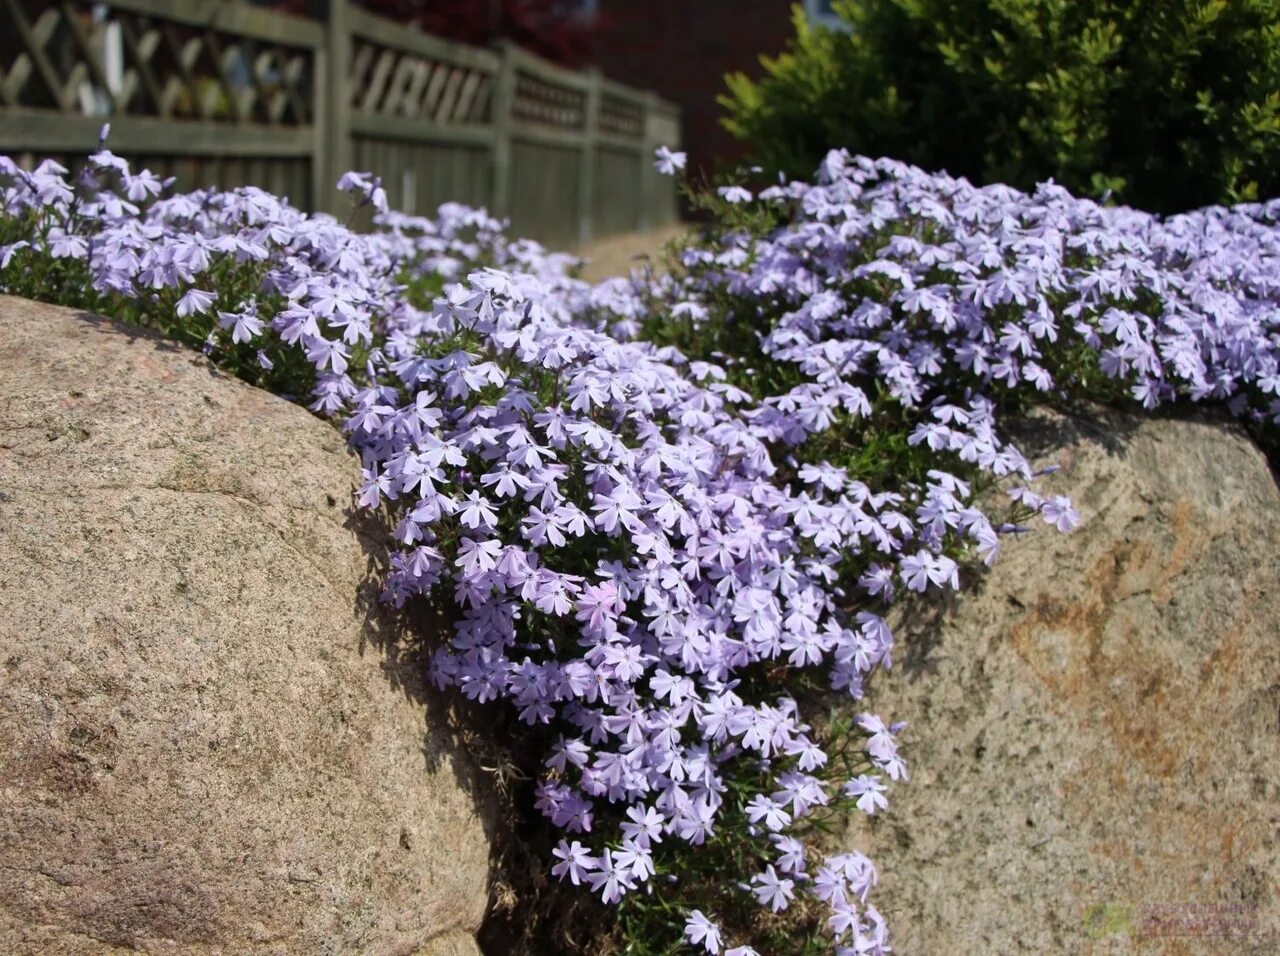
x=633 y=547
x=667 y=161
x=942 y=293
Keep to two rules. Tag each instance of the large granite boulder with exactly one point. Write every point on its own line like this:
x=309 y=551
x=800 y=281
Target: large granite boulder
x=1094 y=732
x=207 y=744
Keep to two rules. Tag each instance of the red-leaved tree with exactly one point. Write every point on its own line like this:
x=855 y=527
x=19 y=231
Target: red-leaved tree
x=559 y=30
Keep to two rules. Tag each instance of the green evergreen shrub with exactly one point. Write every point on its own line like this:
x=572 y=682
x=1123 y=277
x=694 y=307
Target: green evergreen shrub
x=1170 y=104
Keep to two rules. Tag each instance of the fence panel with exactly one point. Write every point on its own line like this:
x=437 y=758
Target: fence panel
x=622 y=161
x=418 y=177
x=619 y=205
x=421 y=114
x=219 y=93
x=213 y=93
x=544 y=190
x=547 y=129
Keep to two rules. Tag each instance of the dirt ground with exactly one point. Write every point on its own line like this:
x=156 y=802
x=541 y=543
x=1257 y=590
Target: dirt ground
x=618 y=255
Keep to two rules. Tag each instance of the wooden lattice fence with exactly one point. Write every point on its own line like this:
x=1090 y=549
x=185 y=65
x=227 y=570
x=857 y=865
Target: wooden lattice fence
x=217 y=92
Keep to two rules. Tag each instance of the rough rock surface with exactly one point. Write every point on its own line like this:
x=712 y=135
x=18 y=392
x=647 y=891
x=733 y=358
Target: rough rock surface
x=1094 y=733
x=206 y=745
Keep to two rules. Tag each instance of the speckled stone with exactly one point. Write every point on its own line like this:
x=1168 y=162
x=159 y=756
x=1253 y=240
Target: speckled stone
x=209 y=742
x=1094 y=727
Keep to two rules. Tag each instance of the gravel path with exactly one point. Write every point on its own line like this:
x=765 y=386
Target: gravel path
x=618 y=255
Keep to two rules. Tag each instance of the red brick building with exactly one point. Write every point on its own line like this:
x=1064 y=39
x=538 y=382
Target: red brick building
x=682 y=49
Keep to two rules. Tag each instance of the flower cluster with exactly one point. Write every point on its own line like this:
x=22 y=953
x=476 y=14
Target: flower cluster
x=602 y=514
x=926 y=288
x=648 y=549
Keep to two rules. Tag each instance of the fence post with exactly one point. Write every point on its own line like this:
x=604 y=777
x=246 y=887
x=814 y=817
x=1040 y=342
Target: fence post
x=504 y=94
x=649 y=183
x=333 y=103
x=587 y=172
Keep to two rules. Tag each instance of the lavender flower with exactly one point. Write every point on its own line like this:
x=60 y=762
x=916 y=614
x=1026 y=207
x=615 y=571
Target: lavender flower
x=637 y=544
x=667 y=162
x=699 y=929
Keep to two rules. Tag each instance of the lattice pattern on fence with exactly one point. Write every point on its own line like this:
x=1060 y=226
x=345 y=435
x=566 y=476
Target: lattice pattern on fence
x=548 y=104
x=100 y=58
x=621 y=116
x=390 y=82
x=227 y=93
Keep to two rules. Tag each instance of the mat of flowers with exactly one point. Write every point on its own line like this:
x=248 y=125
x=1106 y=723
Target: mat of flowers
x=643 y=502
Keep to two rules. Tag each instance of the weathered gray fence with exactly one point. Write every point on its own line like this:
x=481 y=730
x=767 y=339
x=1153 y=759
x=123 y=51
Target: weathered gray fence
x=216 y=92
